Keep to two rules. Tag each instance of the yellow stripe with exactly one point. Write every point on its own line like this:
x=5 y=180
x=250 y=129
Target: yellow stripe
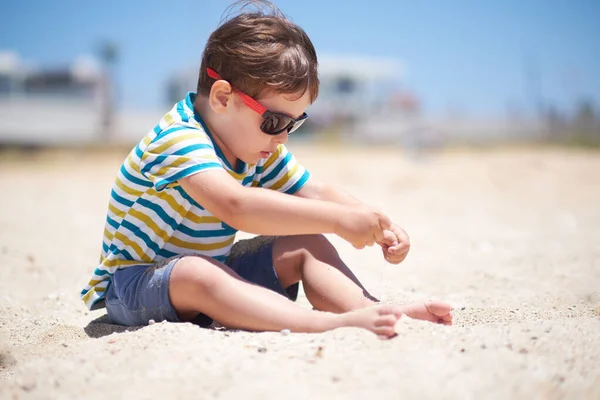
x=127 y=189
x=182 y=160
x=201 y=246
x=133 y=165
x=169 y=119
x=150 y=224
x=147 y=139
x=108 y=235
x=180 y=138
x=202 y=220
x=175 y=206
x=94 y=282
x=86 y=296
x=236 y=176
x=272 y=159
x=116 y=262
x=285 y=178
x=130 y=243
x=116 y=211
x=92 y=291
x=255 y=183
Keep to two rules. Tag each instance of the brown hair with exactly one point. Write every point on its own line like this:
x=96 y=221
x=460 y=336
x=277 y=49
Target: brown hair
x=260 y=51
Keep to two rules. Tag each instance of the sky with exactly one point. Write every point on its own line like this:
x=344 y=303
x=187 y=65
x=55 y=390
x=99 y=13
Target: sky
x=473 y=57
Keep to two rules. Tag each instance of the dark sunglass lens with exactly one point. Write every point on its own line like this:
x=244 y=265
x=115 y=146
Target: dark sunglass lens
x=274 y=124
x=296 y=125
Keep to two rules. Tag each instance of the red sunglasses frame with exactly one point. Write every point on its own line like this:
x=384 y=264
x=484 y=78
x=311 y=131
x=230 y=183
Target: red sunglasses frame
x=260 y=109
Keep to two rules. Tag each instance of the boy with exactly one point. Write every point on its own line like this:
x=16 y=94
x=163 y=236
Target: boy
x=217 y=163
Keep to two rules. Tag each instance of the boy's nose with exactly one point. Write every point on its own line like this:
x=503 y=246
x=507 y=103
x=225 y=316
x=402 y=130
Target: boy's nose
x=282 y=138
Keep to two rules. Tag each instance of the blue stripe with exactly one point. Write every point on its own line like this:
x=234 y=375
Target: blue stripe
x=220 y=258
x=157 y=129
x=120 y=199
x=189 y=102
x=240 y=164
x=298 y=185
x=135 y=230
x=226 y=231
x=104 y=247
x=139 y=151
x=133 y=179
x=112 y=222
x=168 y=131
x=128 y=256
x=101 y=272
x=186 y=196
x=247 y=180
x=184 y=117
x=275 y=171
x=184 y=150
x=160 y=212
x=160 y=185
x=166 y=253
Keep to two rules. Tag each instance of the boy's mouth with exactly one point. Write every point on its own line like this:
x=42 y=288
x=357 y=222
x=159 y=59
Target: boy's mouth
x=265 y=154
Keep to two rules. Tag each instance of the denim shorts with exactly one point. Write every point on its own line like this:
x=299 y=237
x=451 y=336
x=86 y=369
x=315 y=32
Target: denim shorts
x=138 y=294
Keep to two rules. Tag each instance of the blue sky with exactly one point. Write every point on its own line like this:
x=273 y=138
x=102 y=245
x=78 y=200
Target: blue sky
x=467 y=56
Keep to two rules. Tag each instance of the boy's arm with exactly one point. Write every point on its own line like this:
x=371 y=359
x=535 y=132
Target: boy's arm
x=395 y=246
x=322 y=191
x=267 y=212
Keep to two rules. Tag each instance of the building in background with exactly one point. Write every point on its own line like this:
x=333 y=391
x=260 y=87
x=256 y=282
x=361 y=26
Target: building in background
x=356 y=95
x=51 y=105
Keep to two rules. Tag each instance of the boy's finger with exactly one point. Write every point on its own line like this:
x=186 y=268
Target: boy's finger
x=389 y=238
x=384 y=222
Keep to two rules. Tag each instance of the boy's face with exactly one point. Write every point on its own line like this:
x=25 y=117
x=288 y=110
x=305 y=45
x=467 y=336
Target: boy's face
x=246 y=140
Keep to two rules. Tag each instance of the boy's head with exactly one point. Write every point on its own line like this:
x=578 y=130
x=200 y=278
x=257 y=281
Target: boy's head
x=264 y=55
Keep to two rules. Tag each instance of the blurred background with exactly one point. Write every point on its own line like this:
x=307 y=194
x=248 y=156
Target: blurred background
x=413 y=74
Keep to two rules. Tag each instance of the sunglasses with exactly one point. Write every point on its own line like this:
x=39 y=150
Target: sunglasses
x=273 y=123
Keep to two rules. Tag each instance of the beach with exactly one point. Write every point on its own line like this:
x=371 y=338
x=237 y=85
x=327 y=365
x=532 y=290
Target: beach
x=510 y=236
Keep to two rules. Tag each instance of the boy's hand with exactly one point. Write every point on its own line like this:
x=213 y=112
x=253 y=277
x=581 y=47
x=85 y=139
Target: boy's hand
x=362 y=226
x=395 y=245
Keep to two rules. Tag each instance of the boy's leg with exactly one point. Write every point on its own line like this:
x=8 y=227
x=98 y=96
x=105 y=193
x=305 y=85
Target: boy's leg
x=202 y=285
x=329 y=284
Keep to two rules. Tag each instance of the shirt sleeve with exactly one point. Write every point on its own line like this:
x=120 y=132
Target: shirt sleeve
x=283 y=173
x=176 y=153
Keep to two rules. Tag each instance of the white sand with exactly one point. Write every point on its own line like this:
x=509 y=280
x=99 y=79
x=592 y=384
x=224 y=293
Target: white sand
x=511 y=235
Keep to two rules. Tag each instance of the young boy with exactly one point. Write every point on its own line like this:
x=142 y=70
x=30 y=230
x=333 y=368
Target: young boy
x=217 y=163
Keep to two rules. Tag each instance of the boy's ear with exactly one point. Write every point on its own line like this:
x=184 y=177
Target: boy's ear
x=219 y=95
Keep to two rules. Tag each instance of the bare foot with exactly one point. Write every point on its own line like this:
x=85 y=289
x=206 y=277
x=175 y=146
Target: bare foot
x=434 y=311
x=378 y=319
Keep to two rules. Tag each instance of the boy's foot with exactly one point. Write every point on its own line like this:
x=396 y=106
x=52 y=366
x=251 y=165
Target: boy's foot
x=379 y=319
x=433 y=311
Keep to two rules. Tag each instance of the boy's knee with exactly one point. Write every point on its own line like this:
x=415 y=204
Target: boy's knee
x=195 y=272
x=304 y=247
x=317 y=244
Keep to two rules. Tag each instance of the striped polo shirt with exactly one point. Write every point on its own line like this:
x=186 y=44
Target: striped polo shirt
x=151 y=218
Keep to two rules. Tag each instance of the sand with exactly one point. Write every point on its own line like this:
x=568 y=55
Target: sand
x=510 y=236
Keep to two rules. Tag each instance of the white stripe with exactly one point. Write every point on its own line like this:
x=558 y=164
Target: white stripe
x=281 y=174
x=91 y=299
x=223 y=251
x=123 y=194
x=195 y=157
x=135 y=174
x=167 y=209
x=129 y=249
x=279 y=159
x=201 y=240
x=130 y=184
